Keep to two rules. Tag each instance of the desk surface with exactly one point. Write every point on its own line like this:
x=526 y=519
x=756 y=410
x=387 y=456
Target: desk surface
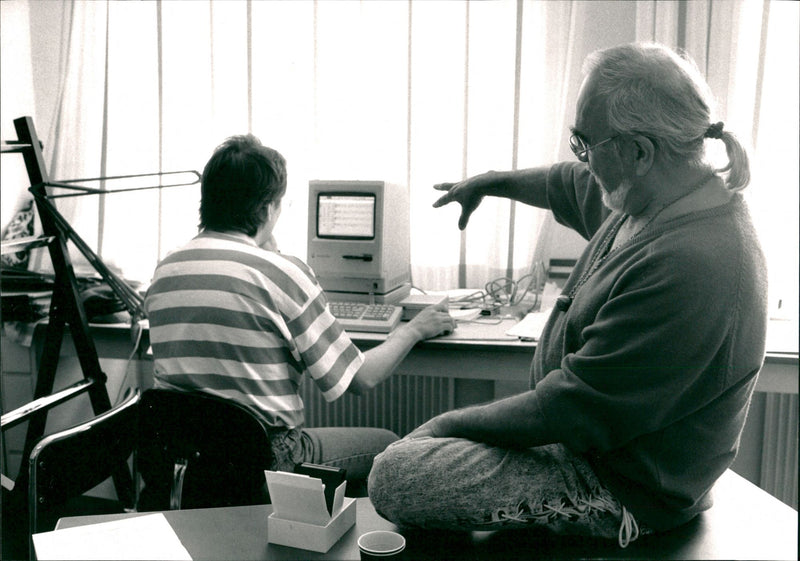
x=482 y=334
x=744 y=523
x=489 y=333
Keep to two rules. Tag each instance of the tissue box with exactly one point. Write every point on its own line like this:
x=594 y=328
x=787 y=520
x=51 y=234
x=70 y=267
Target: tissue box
x=414 y=303
x=301 y=517
x=310 y=536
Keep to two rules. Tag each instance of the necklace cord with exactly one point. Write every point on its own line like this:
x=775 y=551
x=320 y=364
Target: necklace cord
x=605 y=248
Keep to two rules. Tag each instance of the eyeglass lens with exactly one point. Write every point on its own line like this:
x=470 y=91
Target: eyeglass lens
x=579 y=147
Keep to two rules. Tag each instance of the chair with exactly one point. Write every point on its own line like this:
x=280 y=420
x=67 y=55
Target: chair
x=66 y=464
x=200 y=451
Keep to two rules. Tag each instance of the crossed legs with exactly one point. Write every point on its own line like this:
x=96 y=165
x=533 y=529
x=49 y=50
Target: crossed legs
x=457 y=484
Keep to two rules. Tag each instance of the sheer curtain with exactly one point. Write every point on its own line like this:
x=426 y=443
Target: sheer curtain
x=748 y=53
x=415 y=92
x=14 y=102
x=411 y=92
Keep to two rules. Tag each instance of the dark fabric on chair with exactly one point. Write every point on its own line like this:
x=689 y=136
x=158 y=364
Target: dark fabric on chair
x=66 y=464
x=224 y=444
x=68 y=468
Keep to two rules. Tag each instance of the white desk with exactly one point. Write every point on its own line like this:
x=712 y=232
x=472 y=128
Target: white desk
x=477 y=350
x=482 y=351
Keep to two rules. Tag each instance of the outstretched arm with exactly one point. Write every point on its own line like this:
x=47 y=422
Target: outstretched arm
x=526 y=186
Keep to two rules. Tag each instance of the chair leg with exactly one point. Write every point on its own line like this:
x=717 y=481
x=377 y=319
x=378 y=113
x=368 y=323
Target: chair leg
x=178 y=473
x=15 y=541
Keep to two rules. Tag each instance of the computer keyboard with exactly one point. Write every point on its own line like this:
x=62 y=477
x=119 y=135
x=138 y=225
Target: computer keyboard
x=360 y=316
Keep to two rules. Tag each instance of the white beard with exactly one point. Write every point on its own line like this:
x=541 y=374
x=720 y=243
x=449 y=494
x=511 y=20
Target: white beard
x=615 y=200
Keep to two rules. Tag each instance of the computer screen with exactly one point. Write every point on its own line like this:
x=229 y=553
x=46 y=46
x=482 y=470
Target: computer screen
x=359 y=239
x=346 y=216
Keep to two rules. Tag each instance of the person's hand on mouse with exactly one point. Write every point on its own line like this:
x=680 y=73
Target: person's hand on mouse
x=433 y=321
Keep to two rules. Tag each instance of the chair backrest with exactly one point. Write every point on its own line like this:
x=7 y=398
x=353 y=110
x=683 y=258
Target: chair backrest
x=199 y=451
x=66 y=464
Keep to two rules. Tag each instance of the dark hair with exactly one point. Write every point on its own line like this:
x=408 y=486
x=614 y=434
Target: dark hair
x=239 y=182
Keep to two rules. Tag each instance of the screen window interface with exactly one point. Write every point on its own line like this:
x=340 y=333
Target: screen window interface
x=346 y=216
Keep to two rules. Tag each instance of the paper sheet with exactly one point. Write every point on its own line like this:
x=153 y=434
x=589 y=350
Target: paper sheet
x=141 y=537
x=298 y=497
x=302 y=498
x=531 y=326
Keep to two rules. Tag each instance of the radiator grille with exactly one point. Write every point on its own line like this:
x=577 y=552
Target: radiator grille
x=399 y=404
x=779 y=466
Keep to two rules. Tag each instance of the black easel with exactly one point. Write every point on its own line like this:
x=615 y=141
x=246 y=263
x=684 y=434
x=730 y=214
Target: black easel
x=66 y=309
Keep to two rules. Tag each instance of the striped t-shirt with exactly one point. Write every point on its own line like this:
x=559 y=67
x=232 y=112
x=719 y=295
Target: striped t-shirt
x=231 y=319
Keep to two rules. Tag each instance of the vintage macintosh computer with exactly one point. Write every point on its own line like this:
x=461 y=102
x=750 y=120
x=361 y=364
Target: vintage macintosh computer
x=358 y=247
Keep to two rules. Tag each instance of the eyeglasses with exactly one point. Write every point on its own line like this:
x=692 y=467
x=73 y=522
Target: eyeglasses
x=581 y=149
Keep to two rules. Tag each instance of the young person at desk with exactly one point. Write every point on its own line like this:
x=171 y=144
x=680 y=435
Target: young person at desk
x=231 y=316
x=643 y=375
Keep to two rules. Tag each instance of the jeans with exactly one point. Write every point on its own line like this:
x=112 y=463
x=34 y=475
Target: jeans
x=351 y=448
x=457 y=484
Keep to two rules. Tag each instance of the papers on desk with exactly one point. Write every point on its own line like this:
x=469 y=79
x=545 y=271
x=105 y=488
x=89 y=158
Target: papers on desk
x=530 y=327
x=302 y=498
x=467 y=314
x=300 y=516
x=141 y=537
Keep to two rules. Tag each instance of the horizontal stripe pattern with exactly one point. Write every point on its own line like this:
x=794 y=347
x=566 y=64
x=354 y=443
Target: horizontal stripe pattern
x=231 y=319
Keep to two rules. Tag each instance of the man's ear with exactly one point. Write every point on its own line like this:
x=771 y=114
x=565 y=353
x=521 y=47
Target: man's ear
x=268 y=210
x=644 y=153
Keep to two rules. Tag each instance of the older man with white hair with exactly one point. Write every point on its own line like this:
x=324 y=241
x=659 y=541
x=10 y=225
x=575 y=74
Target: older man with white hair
x=643 y=375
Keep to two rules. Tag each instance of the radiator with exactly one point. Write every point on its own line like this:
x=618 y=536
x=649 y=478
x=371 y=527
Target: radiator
x=400 y=404
x=779 y=466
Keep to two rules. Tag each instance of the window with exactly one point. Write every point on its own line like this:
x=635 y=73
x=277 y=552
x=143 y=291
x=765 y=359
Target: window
x=412 y=92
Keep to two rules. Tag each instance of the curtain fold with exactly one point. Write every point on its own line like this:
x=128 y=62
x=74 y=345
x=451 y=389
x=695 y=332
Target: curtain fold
x=73 y=145
x=14 y=102
x=415 y=93
x=741 y=49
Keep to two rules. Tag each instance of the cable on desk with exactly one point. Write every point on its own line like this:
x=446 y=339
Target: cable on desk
x=504 y=291
x=509 y=292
